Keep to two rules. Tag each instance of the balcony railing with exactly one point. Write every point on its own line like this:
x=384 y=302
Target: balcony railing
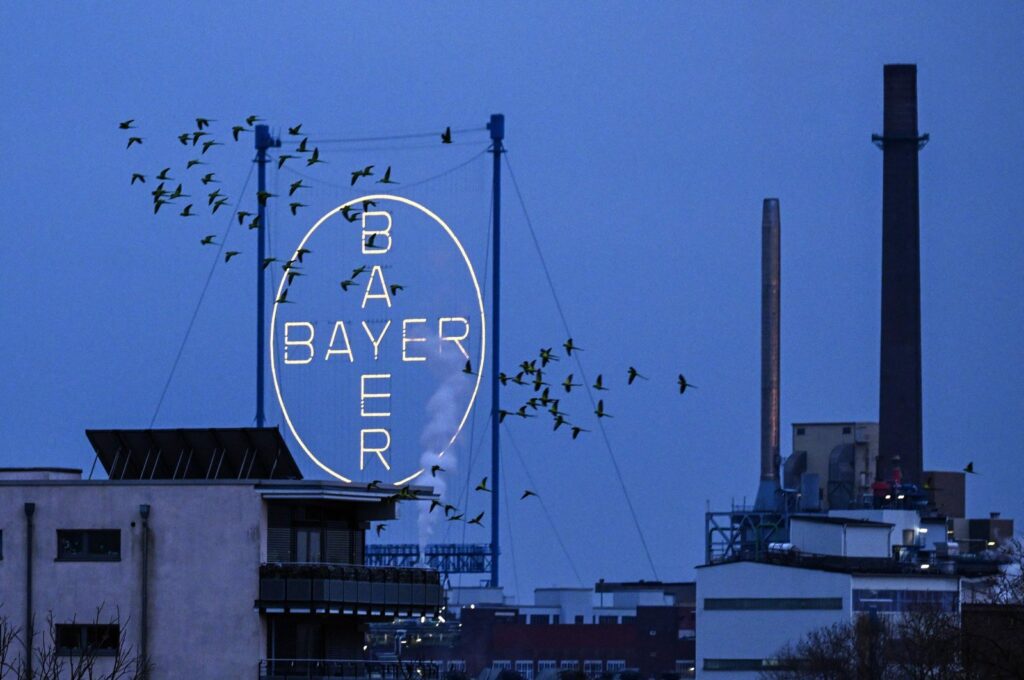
x=317 y=669
x=349 y=589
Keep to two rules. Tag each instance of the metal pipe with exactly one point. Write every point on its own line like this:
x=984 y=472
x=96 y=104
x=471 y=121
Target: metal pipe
x=497 y=128
x=30 y=511
x=144 y=627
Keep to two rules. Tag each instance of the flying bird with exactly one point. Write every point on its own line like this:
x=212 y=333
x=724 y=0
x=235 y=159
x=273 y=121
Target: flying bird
x=295 y=206
x=969 y=468
x=302 y=252
x=237 y=129
x=600 y=410
x=346 y=284
x=559 y=421
x=375 y=484
x=208 y=177
x=255 y=224
x=683 y=384
x=187 y=212
x=568 y=384
x=365 y=172
x=434 y=469
x=502 y=413
x=446 y=136
x=242 y=215
x=395 y=288
x=282 y=158
x=526 y=494
x=546 y=356
x=570 y=348
x=192 y=163
x=282 y=298
x=292 y=273
x=164 y=175
x=576 y=431
x=230 y=254
x=177 y=193
x=455 y=518
x=252 y=119
x=208 y=240
x=314 y=158
x=267 y=261
x=196 y=136
x=133 y=140
x=477 y=520
x=262 y=196
x=203 y=123
x=599 y=383
x=212 y=196
x=358 y=270
x=482 y=486
x=380 y=529
x=139 y=177
x=434 y=503
x=126 y=124
x=301 y=148
x=386 y=179
x=633 y=375
x=210 y=143
x=184 y=137
x=217 y=204
x=523 y=414
x=294 y=131
x=468 y=368
x=295 y=186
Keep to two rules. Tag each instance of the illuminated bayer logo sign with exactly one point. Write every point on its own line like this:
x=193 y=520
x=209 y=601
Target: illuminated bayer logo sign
x=373 y=324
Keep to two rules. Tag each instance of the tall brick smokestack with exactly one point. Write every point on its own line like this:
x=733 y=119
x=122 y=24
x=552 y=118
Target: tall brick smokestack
x=899 y=405
x=771 y=316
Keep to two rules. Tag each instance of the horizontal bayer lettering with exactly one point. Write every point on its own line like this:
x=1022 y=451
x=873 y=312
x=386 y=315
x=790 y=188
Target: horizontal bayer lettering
x=303 y=345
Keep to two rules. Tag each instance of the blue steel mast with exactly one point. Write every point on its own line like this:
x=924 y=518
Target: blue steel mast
x=497 y=128
x=264 y=141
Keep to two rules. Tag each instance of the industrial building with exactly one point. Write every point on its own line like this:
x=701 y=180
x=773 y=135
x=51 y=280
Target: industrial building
x=645 y=627
x=851 y=522
x=204 y=552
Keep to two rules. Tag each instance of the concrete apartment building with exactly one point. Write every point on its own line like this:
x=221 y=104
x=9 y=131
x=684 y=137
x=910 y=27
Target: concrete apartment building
x=203 y=551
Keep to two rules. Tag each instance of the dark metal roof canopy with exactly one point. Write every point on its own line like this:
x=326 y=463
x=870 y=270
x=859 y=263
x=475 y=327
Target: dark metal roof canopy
x=194 y=453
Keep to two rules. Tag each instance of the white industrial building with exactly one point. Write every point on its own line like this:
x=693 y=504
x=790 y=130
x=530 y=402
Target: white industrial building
x=833 y=568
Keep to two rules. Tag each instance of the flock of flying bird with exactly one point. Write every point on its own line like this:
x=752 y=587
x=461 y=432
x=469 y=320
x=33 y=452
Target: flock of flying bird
x=202 y=141
x=529 y=373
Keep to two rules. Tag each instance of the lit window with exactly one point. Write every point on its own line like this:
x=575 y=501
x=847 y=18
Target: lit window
x=525 y=669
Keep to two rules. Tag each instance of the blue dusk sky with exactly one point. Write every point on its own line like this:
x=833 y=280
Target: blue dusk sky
x=643 y=136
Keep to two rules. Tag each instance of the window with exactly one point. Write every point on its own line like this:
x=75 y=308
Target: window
x=457 y=666
x=579 y=619
x=607 y=619
x=592 y=666
x=569 y=665
x=545 y=665
x=685 y=667
x=736 y=664
x=616 y=665
x=307 y=544
x=771 y=603
x=502 y=665
x=799 y=431
x=846 y=430
x=525 y=669
x=1 y=545
x=95 y=639
x=865 y=600
x=89 y=545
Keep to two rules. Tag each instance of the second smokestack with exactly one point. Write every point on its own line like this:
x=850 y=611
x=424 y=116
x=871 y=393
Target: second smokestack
x=771 y=306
